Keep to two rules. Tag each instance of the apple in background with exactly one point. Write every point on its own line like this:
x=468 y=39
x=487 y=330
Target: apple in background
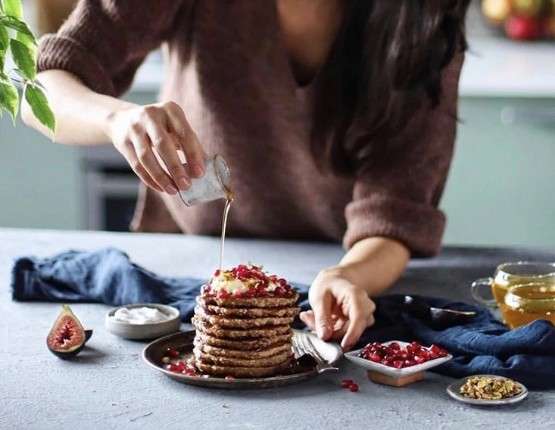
x=523 y=28
x=497 y=11
x=527 y=8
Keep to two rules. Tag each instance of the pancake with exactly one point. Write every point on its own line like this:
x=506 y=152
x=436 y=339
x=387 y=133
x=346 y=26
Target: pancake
x=245 y=345
x=242 y=323
x=251 y=312
x=274 y=360
x=226 y=333
x=233 y=353
x=252 y=302
x=241 y=372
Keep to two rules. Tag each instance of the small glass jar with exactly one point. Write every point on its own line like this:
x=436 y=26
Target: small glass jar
x=213 y=185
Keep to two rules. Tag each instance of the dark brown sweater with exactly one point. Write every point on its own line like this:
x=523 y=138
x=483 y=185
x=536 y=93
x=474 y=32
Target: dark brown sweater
x=228 y=69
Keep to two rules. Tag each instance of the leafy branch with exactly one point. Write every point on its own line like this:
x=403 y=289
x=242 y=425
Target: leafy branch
x=18 y=42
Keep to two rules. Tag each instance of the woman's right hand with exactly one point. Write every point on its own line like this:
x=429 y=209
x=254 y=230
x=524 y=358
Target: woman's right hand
x=149 y=138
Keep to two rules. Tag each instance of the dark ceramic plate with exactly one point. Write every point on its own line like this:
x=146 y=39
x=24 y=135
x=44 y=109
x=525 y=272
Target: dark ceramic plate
x=183 y=342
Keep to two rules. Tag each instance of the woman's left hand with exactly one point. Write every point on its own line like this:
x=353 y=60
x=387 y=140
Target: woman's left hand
x=340 y=309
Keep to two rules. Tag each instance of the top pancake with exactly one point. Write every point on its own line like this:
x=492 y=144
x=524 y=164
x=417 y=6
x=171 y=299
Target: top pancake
x=251 y=302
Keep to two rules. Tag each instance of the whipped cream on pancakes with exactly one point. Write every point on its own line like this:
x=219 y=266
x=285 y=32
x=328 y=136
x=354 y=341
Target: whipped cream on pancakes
x=246 y=281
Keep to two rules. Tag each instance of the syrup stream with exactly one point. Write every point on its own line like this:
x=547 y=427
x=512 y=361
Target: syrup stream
x=224 y=226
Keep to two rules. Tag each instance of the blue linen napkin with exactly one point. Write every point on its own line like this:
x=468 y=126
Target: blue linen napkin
x=484 y=345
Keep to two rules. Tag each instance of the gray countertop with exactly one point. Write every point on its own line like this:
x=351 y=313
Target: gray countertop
x=108 y=386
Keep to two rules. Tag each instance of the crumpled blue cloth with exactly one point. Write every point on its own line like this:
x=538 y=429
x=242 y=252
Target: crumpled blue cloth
x=485 y=345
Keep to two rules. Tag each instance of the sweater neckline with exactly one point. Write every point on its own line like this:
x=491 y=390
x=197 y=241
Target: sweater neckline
x=300 y=89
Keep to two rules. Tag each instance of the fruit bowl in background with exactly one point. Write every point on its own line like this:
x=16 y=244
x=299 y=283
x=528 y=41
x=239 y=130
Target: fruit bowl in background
x=522 y=19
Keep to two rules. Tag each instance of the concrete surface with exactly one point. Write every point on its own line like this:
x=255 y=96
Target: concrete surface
x=108 y=387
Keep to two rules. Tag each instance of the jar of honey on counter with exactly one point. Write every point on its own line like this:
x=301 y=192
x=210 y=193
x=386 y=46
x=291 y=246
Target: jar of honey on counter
x=525 y=303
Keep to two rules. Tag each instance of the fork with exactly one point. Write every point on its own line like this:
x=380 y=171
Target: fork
x=303 y=345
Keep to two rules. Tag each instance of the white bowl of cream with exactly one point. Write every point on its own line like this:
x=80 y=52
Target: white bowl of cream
x=143 y=321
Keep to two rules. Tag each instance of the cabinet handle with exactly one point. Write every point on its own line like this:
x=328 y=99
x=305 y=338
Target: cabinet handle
x=514 y=115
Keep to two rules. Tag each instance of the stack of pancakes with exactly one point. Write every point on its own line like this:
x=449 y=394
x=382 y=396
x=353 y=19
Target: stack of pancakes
x=245 y=333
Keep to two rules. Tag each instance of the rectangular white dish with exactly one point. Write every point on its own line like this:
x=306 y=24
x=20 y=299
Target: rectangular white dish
x=354 y=356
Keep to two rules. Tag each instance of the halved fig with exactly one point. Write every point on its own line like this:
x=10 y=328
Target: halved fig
x=67 y=336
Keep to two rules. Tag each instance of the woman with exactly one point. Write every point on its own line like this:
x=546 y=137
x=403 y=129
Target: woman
x=337 y=119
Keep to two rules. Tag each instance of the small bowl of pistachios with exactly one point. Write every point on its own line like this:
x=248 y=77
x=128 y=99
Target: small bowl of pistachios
x=487 y=390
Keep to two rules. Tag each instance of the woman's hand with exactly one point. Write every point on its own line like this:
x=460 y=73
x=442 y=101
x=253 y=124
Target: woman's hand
x=340 y=309
x=149 y=138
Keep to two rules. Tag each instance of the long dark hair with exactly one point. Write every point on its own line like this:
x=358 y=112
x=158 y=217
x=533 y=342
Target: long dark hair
x=386 y=61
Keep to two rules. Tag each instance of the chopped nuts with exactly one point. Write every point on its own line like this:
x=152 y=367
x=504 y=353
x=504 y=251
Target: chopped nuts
x=489 y=388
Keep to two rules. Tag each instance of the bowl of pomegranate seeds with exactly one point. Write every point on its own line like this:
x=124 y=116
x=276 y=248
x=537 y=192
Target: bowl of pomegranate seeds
x=396 y=358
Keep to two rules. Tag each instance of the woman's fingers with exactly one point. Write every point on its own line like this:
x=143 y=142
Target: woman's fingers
x=155 y=124
x=339 y=325
x=187 y=139
x=308 y=318
x=128 y=151
x=322 y=315
x=149 y=162
x=360 y=317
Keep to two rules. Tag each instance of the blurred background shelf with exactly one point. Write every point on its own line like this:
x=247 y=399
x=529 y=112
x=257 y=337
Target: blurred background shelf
x=500 y=190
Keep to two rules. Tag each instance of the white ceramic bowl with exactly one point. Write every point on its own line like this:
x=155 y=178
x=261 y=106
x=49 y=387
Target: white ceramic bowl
x=144 y=331
x=354 y=356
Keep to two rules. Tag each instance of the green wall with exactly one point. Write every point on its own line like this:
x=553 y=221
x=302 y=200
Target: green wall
x=501 y=190
x=39 y=181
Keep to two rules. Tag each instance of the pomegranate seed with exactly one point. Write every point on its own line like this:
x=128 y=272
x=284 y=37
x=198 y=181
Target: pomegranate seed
x=394 y=346
x=434 y=349
x=375 y=357
x=346 y=383
x=229 y=378
x=398 y=364
x=217 y=273
x=353 y=388
x=419 y=359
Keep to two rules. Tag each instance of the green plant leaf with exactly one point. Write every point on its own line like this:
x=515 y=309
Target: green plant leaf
x=13 y=8
x=28 y=41
x=4 y=40
x=4 y=44
x=39 y=105
x=25 y=59
x=17 y=25
x=9 y=97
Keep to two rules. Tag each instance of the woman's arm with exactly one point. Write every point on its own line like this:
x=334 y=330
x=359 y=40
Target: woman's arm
x=340 y=295
x=81 y=114
x=394 y=214
x=374 y=263
x=147 y=136
x=92 y=60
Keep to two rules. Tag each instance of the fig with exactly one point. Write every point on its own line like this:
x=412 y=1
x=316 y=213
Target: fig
x=67 y=336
